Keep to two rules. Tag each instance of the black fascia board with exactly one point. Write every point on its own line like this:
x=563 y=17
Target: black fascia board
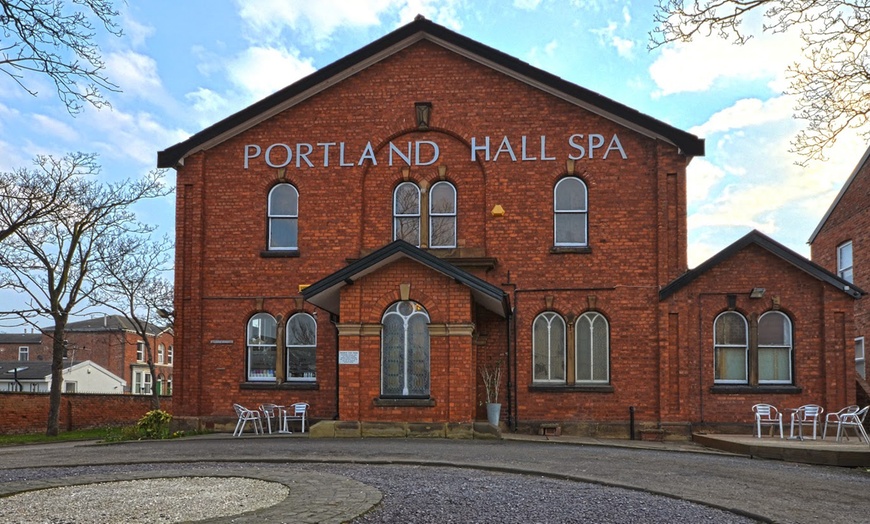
x=688 y=143
x=775 y=248
x=417 y=254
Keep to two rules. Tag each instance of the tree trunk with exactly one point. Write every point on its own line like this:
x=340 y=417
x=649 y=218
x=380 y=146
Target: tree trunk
x=155 y=395
x=57 y=350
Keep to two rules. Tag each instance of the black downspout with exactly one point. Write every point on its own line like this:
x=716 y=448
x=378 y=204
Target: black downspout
x=516 y=369
x=509 y=375
x=334 y=320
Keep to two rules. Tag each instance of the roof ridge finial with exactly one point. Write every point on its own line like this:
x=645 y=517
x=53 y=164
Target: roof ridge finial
x=419 y=17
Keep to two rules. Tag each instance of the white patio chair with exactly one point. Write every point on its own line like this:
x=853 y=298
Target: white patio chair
x=854 y=420
x=270 y=412
x=834 y=418
x=806 y=414
x=767 y=415
x=298 y=411
x=245 y=415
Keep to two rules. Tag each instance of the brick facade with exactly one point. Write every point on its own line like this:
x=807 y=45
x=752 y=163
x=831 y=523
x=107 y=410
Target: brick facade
x=540 y=130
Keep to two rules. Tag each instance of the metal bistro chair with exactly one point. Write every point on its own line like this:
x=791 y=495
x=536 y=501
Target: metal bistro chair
x=245 y=415
x=806 y=414
x=767 y=415
x=270 y=412
x=854 y=420
x=298 y=411
x=834 y=417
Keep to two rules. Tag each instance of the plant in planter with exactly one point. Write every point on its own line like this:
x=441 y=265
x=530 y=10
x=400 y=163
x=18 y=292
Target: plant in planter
x=491 y=375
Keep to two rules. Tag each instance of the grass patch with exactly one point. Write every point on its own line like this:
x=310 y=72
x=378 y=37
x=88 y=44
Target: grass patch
x=40 y=438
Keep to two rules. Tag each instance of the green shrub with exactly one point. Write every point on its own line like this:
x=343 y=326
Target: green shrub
x=154 y=425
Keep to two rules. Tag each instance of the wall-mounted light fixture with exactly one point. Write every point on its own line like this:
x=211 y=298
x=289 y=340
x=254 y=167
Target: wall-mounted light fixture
x=757 y=292
x=497 y=211
x=423 y=110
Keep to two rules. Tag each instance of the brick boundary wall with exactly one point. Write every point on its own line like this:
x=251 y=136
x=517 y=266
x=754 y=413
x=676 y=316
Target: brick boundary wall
x=22 y=413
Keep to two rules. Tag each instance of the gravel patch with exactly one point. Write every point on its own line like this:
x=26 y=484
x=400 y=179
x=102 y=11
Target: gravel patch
x=416 y=494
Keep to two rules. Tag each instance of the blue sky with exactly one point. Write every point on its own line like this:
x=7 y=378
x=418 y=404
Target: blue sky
x=182 y=66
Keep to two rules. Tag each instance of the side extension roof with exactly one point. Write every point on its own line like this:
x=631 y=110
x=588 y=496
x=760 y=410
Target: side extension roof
x=772 y=246
x=423 y=29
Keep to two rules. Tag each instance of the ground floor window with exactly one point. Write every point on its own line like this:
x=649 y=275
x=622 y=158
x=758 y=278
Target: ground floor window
x=301 y=342
x=755 y=352
x=860 y=362
x=405 y=351
x=141 y=383
x=548 y=348
x=261 y=347
x=593 y=348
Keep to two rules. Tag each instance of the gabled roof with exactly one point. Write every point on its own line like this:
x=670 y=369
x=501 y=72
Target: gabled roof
x=325 y=293
x=107 y=323
x=27 y=369
x=401 y=38
x=773 y=247
x=21 y=338
x=840 y=195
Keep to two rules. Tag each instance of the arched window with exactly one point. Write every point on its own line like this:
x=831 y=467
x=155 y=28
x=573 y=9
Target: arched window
x=548 y=360
x=593 y=348
x=570 y=210
x=405 y=351
x=406 y=213
x=283 y=217
x=301 y=347
x=774 y=348
x=442 y=215
x=262 y=333
x=731 y=348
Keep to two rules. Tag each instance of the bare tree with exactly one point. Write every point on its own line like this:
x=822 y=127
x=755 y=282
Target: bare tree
x=56 y=38
x=48 y=261
x=127 y=278
x=30 y=196
x=832 y=85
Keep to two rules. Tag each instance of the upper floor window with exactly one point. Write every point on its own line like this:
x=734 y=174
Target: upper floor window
x=262 y=345
x=548 y=348
x=593 y=348
x=844 y=261
x=570 y=213
x=23 y=353
x=731 y=348
x=301 y=347
x=405 y=351
x=860 y=362
x=161 y=351
x=442 y=215
x=283 y=217
x=774 y=348
x=406 y=213
x=170 y=355
x=140 y=351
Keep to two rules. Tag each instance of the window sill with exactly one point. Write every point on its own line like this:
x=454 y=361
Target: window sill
x=283 y=253
x=773 y=389
x=270 y=386
x=404 y=402
x=567 y=388
x=562 y=250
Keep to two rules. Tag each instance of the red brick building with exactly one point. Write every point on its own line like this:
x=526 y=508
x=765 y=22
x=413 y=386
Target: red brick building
x=841 y=244
x=370 y=236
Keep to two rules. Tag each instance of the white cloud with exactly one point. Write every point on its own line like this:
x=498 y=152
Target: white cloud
x=702 y=176
x=11 y=157
x=135 y=32
x=607 y=36
x=51 y=126
x=747 y=112
x=136 y=74
x=527 y=5
x=137 y=136
x=260 y=71
x=208 y=106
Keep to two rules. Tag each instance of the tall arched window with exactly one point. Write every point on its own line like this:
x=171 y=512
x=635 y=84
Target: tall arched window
x=548 y=340
x=442 y=215
x=301 y=347
x=774 y=348
x=405 y=351
x=593 y=348
x=283 y=217
x=262 y=345
x=406 y=213
x=731 y=348
x=570 y=212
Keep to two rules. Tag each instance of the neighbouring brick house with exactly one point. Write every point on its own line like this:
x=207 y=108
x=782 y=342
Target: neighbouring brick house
x=370 y=236
x=841 y=244
x=109 y=341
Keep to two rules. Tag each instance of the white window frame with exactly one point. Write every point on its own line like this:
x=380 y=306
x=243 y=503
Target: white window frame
x=549 y=317
x=590 y=317
x=442 y=215
x=397 y=216
x=170 y=355
x=860 y=357
x=161 y=350
x=25 y=351
x=140 y=351
x=717 y=346
x=290 y=344
x=272 y=216
x=583 y=210
x=844 y=271
x=789 y=347
x=252 y=345
x=418 y=313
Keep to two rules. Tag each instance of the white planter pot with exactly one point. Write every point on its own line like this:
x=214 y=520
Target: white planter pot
x=493 y=411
